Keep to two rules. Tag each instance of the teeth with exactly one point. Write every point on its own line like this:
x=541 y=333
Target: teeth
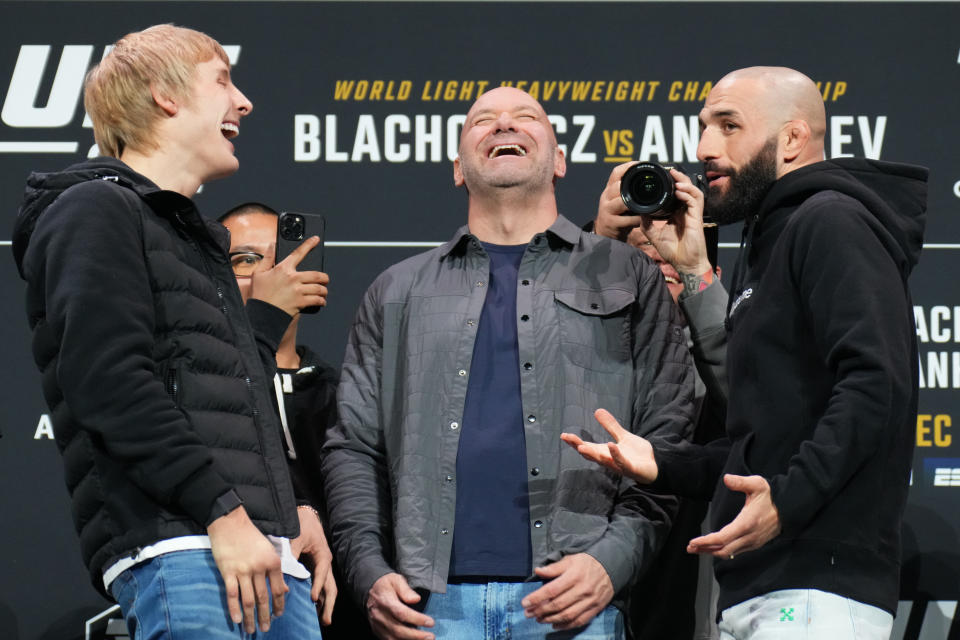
x=506 y=147
x=671 y=280
x=229 y=127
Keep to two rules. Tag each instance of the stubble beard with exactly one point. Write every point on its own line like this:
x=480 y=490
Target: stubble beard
x=523 y=181
x=746 y=187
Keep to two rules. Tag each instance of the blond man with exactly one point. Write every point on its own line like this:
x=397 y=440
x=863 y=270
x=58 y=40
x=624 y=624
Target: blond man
x=154 y=371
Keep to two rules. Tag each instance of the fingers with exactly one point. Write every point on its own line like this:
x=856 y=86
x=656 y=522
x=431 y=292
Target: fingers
x=405 y=615
x=552 y=570
x=611 y=221
x=387 y=607
x=608 y=422
x=598 y=453
x=679 y=177
x=320 y=574
x=406 y=594
x=730 y=540
x=262 y=597
x=710 y=543
x=576 y=614
x=571 y=439
x=314 y=277
x=578 y=589
x=298 y=254
x=617 y=174
x=745 y=484
x=540 y=602
x=591 y=451
x=280 y=589
x=248 y=602
x=329 y=598
x=233 y=598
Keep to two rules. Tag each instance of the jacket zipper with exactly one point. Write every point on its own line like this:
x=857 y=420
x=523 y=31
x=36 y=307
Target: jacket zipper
x=173 y=385
x=255 y=412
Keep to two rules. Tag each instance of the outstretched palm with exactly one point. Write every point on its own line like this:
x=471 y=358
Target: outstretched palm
x=628 y=454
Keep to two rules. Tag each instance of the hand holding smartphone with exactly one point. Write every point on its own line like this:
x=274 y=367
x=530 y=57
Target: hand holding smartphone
x=292 y=229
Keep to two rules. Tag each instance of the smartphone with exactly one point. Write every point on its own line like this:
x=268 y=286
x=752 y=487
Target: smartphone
x=292 y=229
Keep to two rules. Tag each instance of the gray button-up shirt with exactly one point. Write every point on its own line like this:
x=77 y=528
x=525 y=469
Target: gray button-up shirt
x=597 y=328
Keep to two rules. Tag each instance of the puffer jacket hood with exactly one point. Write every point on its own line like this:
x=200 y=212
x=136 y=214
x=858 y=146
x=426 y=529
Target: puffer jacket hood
x=44 y=188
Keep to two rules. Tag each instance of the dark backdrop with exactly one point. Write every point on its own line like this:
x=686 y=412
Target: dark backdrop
x=620 y=80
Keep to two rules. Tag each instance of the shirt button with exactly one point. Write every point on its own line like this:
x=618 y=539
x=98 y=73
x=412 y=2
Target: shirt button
x=448 y=478
x=443 y=532
x=530 y=418
x=479 y=283
x=594 y=305
x=528 y=365
x=524 y=317
x=525 y=283
x=470 y=323
x=535 y=471
x=454 y=425
x=462 y=372
x=538 y=524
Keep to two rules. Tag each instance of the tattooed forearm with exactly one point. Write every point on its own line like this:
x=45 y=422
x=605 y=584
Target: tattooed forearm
x=694 y=283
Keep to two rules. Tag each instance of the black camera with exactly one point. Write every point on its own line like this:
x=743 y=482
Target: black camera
x=647 y=189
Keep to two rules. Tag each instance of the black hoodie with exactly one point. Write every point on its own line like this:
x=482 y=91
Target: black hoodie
x=822 y=368
x=154 y=375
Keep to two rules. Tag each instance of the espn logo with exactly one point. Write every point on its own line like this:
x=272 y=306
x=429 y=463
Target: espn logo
x=946 y=477
x=942 y=472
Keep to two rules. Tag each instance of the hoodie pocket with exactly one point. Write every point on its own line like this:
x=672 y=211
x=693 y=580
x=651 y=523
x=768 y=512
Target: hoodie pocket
x=595 y=327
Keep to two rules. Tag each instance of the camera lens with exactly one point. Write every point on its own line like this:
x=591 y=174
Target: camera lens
x=647 y=190
x=291 y=227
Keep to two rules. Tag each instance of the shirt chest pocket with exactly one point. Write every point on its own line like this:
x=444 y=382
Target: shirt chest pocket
x=595 y=327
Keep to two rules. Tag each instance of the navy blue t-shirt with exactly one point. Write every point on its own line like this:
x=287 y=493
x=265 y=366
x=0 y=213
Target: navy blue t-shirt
x=491 y=535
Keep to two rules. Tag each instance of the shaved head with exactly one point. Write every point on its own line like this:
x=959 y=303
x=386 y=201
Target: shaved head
x=489 y=102
x=781 y=94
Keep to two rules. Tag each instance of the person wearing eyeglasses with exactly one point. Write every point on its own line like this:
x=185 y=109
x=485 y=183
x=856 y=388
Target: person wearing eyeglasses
x=304 y=390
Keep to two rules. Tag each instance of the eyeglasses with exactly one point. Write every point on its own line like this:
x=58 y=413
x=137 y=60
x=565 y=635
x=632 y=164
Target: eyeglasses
x=244 y=263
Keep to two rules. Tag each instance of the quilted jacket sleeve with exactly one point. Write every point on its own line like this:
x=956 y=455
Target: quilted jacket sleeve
x=354 y=461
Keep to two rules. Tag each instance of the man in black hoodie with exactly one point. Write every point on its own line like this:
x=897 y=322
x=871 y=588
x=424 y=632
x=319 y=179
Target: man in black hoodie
x=821 y=362
x=155 y=374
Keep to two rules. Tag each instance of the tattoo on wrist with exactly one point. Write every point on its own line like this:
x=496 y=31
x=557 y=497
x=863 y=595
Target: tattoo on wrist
x=693 y=283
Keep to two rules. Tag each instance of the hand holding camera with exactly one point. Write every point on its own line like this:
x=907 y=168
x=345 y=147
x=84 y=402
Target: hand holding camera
x=665 y=203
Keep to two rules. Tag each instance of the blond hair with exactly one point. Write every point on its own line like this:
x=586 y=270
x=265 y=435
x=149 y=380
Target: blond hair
x=118 y=96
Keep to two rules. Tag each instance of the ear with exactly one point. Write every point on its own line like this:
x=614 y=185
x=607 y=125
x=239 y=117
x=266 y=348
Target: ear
x=457 y=172
x=794 y=135
x=559 y=164
x=168 y=104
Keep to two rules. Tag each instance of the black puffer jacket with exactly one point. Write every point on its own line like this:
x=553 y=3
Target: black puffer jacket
x=150 y=365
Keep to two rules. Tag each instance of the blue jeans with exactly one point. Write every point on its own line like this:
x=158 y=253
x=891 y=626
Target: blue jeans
x=492 y=611
x=181 y=595
x=804 y=614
